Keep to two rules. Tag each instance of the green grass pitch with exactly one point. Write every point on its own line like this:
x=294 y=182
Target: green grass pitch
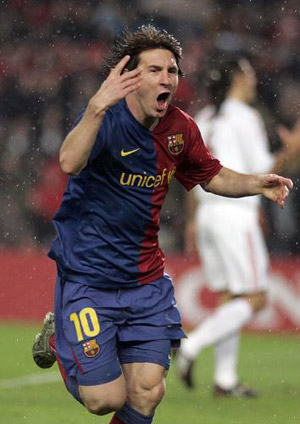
x=270 y=363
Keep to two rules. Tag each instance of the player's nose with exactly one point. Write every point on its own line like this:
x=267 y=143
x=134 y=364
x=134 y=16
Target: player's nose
x=165 y=78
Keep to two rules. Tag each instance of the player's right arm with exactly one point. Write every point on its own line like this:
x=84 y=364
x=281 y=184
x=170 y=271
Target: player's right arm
x=77 y=146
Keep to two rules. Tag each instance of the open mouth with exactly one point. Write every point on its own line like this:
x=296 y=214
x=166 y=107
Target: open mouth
x=162 y=100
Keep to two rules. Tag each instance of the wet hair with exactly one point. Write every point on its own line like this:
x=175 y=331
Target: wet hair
x=219 y=80
x=146 y=37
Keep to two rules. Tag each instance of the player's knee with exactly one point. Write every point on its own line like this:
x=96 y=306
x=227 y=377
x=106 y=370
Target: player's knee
x=258 y=301
x=155 y=394
x=146 y=396
x=102 y=405
x=159 y=392
x=261 y=304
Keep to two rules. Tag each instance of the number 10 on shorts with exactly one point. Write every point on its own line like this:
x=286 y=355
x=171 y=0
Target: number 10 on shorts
x=85 y=322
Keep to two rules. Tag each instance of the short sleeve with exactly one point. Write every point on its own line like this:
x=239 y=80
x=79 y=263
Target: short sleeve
x=198 y=165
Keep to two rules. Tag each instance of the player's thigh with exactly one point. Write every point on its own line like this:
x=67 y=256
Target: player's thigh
x=257 y=300
x=86 y=337
x=251 y=271
x=214 y=267
x=145 y=365
x=144 y=374
x=234 y=256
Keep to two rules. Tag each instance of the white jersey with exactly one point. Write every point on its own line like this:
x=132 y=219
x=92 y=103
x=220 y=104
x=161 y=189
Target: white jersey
x=230 y=240
x=237 y=137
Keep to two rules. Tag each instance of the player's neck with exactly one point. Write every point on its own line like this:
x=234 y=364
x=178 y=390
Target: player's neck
x=237 y=95
x=138 y=113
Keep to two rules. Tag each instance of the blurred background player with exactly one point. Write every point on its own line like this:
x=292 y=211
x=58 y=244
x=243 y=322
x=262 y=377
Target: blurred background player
x=226 y=231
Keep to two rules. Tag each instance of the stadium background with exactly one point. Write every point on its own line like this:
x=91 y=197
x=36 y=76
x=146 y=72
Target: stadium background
x=51 y=63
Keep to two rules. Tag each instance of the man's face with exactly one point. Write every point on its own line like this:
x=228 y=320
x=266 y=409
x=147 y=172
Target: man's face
x=159 y=81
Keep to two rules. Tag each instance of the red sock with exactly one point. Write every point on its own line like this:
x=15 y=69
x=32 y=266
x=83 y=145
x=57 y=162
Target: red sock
x=116 y=420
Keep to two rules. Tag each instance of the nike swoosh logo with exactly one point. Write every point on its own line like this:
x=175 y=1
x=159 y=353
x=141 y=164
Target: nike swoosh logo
x=129 y=152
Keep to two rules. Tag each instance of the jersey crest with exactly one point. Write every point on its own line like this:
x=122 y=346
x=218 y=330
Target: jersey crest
x=91 y=348
x=175 y=143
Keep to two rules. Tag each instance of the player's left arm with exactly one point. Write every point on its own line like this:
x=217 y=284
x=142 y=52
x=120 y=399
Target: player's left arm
x=229 y=183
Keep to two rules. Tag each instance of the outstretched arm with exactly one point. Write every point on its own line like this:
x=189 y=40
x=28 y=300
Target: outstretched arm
x=77 y=146
x=229 y=183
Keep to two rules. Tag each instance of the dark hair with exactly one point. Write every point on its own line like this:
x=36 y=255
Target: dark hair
x=219 y=80
x=146 y=37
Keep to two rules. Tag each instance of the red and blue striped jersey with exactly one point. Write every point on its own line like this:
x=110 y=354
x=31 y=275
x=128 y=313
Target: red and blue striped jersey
x=107 y=225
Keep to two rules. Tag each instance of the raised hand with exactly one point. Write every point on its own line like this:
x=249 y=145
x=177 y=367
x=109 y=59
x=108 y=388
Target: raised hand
x=115 y=87
x=79 y=142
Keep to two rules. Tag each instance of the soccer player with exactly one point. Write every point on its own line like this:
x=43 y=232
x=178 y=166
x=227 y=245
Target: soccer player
x=115 y=313
x=227 y=231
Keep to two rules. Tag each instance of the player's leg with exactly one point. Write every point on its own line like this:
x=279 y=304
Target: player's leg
x=104 y=398
x=226 y=358
x=228 y=319
x=226 y=350
x=221 y=329
x=98 y=399
x=144 y=348
x=231 y=314
x=86 y=347
x=226 y=380
x=145 y=379
x=145 y=384
x=228 y=263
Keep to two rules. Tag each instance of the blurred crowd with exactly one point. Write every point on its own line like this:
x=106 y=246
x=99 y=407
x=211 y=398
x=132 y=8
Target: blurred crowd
x=52 y=62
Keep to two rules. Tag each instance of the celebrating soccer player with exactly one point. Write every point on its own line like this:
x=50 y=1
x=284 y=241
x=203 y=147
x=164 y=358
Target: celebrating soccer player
x=116 y=318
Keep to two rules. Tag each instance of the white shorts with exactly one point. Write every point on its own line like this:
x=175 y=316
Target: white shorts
x=232 y=250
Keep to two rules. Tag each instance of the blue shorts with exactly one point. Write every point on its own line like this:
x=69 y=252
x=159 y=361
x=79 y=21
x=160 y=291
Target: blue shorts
x=97 y=330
